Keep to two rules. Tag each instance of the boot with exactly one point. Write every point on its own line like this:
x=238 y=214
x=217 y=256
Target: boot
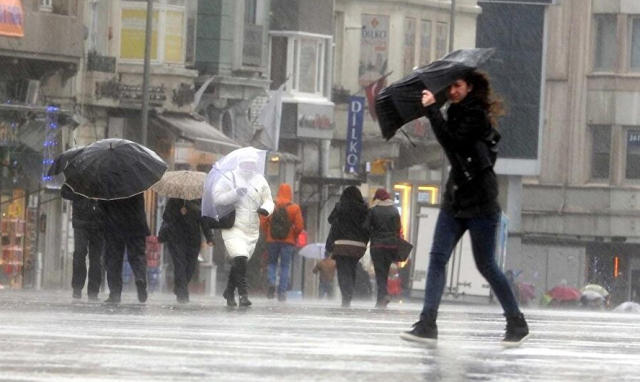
x=517 y=331
x=424 y=331
x=77 y=294
x=230 y=296
x=271 y=292
x=240 y=273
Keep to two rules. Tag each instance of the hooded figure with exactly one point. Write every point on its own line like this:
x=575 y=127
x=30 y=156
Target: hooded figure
x=384 y=225
x=249 y=193
x=282 y=229
x=348 y=239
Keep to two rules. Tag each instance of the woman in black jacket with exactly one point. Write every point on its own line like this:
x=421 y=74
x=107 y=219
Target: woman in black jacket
x=384 y=225
x=469 y=140
x=348 y=239
x=181 y=226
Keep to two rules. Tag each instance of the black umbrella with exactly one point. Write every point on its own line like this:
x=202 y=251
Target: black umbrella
x=400 y=102
x=113 y=169
x=63 y=160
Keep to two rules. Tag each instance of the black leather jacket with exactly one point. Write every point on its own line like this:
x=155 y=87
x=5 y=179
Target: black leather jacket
x=470 y=143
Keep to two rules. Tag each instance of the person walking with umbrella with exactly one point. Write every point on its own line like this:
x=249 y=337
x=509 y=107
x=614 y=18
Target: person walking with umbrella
x=117 y=172
x=181 y=226
x=469 y=140
x=282 y=229
x=247 y=191
x=383 y=222
x=348 y=238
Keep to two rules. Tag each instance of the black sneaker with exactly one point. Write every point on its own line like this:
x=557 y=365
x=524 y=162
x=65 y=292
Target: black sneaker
x=112 y=300
x=244 y=301
x=282 y=297
x=183 y=299
x=271 y=292
x=77 y=294
x=93 y=297
x=424 y=331
x=517 y=331
x=231 y=300
x=141 y=286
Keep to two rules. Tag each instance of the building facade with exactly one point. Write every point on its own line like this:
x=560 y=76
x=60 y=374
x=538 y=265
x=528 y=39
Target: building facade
x=580 y=216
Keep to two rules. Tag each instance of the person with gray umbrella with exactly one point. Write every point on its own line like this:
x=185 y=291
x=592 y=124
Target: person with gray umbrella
x=181 y=226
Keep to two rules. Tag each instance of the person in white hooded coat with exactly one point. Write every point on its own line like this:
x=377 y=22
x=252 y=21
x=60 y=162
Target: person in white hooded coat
x=250 y=194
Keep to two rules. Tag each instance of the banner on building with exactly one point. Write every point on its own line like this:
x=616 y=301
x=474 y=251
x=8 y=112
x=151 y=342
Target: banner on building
x=11 y=18
x=133 y=34
x=374 y=48
x=354 y=134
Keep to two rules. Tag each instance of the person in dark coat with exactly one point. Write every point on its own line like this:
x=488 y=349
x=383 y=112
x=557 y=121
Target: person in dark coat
x=126 y=228
x=348 y=238
x=469 y=140
x=182 y=222
x=385 y=228
x=88 y=238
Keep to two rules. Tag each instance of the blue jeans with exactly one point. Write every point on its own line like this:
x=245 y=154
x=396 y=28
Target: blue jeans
x=325 y=289
x=284 y=252
x=483 y=230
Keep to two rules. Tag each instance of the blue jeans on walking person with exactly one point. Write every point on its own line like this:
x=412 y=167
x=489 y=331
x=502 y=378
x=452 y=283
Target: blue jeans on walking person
x=483 y=230
x=284 y=252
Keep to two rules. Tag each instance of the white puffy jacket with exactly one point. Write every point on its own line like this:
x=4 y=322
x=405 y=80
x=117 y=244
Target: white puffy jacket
x=242 y=238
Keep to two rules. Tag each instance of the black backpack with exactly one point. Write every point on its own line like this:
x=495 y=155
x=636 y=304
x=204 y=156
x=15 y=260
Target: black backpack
x=280 y=223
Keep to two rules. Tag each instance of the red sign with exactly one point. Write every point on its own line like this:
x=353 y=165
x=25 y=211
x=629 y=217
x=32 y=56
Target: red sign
x=11 y=18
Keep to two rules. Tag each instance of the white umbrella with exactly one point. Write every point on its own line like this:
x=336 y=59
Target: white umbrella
x=222 y=172
x=313 y=251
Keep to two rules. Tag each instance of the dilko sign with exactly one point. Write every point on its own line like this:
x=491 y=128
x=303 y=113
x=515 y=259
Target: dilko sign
x=354 y=134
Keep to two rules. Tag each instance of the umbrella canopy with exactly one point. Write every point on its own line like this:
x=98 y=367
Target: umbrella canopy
x=222 y=172
x=186 y=185
x=112 y=169
x=61 y=162
x=564 y=293
x=591 y=295
x=628 y=307
x=527 y=291
x=400 y=102
x=595 y=288
x=313 y=251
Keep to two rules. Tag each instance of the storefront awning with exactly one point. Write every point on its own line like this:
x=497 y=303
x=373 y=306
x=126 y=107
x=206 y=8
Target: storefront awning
x=204 y=136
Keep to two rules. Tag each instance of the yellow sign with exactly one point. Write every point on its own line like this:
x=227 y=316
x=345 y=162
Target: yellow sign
x=132 y=34
x=11 y=18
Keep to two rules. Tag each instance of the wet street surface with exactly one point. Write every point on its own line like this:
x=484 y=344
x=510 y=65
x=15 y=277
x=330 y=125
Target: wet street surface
x=47 y=337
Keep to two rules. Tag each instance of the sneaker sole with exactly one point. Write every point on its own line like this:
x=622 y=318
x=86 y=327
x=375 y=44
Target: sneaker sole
x=411 y=338
x=511 y=344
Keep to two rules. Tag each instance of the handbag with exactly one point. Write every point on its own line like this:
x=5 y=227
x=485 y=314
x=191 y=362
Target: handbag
x=404 y=250
x=225 y=222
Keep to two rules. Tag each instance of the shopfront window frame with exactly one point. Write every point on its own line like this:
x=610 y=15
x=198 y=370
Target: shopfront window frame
x=594 y=156
x=627 y=131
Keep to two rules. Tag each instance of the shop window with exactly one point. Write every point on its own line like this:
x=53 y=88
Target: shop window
x=633 y=155
x=605 y=46
x=425 y=43
x=192 y=17
x=409 y=44
x=600 y=151
x=250 y=11
x=635 y=44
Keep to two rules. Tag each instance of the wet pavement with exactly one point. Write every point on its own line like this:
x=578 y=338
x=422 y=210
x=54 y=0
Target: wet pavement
x=47 y=337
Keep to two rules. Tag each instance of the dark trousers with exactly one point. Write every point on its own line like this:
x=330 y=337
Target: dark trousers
x=382 y=259
x=449 y=230
x=114 y=258
x=325 y=289
x=185 y=259
x=238 y=276
x=346 y=267
x=87 y=241
x=284 y=252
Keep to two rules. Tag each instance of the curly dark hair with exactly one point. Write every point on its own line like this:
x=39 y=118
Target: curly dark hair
x=481 y=91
